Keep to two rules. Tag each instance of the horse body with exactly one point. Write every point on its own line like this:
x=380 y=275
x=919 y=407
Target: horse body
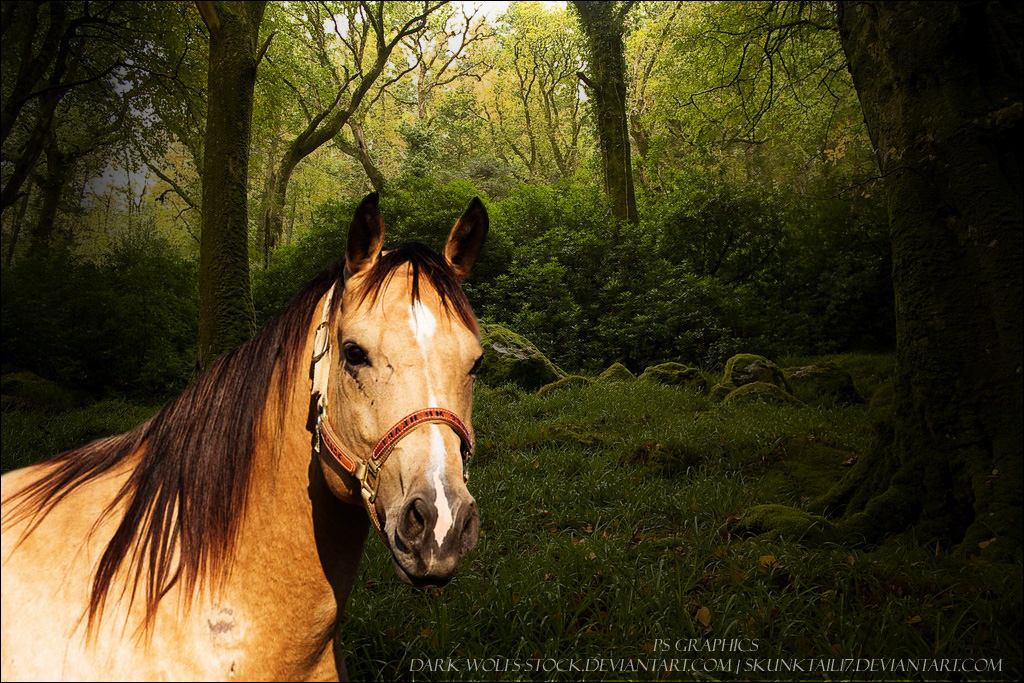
x=271 y=611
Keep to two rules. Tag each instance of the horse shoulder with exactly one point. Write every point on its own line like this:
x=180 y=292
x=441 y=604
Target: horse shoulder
x=48 y=566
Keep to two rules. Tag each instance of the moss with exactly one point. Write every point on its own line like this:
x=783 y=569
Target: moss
x=812 y=466
x=666 y=458
x=617 y=372
x=762 y=391
x=675 y=374
x=25 y=390
x=822 y=380
x=720 y=391
x=745 y=368
x=509 y=357
x=568 y=381
x=792 y=523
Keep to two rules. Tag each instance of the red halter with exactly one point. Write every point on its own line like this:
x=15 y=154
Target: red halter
x=367 y=470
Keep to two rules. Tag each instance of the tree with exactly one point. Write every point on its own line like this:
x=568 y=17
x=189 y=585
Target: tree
x=226 y=316
x=604 y=23
x=535 y=107
x=79 y=46
x=940 y=85
x=368 y=40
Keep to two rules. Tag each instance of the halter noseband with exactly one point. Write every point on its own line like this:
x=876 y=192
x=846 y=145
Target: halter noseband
x=367 y=470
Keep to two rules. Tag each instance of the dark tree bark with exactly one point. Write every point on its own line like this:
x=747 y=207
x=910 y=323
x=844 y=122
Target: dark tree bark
x=51 y=188
x=940 y=85
x=226 y=314
x=360 y=151
x=17 y=223
x=603 y=25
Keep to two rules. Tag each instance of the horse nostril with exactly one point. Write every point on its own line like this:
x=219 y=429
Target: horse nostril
x=415 y=522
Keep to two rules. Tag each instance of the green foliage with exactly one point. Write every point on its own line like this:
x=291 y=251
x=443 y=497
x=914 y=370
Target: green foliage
x=609 y=521
x=125 y=325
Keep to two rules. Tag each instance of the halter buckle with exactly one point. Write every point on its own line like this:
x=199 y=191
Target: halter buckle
x=368 y=474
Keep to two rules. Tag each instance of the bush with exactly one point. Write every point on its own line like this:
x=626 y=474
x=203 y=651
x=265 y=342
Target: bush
x=124 y=325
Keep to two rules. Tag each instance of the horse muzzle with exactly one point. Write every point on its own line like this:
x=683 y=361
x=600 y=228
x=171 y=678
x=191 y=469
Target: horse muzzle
x=430 y=537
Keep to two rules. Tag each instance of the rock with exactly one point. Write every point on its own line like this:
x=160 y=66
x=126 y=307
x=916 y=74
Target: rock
x=24 y=390
x=790 y=523
x=746 y=368
x=568 y=381
x=720 y=391
x=822 y=380
x=616 y=372
x=675 y=374
x=882 y=398
x=509 y=357
x=761 y=391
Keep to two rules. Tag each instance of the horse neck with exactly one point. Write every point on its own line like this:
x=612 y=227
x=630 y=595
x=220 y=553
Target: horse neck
x=299 y=546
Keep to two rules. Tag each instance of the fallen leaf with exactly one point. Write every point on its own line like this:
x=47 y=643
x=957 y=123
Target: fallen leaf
x=766 y=560
x=985 y=544
x=850 y=560
x=704 y=616
x=916 y=619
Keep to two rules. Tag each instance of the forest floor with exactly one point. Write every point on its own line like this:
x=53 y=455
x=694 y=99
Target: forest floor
x=612 y=547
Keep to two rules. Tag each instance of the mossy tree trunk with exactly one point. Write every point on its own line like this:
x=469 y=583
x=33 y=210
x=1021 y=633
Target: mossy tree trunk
x=226 y=314
x=603 y=25
x=940 y=86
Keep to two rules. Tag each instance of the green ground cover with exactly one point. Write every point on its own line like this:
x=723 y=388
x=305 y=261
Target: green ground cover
x=613 y=536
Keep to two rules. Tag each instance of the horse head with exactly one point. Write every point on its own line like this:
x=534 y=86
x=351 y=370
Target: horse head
x=401 y=353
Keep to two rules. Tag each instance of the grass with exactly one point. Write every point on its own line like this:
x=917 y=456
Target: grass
x=609 y=541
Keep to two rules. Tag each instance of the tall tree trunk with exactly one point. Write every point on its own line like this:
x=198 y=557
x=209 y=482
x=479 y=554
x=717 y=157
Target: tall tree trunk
x=17 y=223
x=51 y=187
x=603 y=24
x=226 y=314
x=940 y=85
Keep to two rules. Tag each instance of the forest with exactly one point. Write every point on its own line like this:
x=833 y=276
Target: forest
x=669 y=184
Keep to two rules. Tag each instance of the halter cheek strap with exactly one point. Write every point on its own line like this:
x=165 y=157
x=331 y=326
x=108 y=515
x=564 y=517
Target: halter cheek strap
x=367 y=470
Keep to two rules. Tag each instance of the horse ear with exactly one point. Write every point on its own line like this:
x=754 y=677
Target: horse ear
x=365 y=236
x=466 y=239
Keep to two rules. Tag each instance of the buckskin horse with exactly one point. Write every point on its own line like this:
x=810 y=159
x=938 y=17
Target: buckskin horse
x=221 y=538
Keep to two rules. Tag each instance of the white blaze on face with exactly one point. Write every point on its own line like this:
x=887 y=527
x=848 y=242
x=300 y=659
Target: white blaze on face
x=444 y=511
x=423 y=325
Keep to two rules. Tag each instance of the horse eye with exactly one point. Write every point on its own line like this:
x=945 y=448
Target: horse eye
x=476 y=366
x=355 y=355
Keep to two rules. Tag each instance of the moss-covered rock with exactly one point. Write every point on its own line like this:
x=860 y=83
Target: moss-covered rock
x=675 y=374
x=617 y=372
x=822 y=380
x=720 y=391
x=509 y=357
x=746 y=368
x=788 y=522
x=761 y=391
x=810 y=467
x=567 y=381
x=24 y=390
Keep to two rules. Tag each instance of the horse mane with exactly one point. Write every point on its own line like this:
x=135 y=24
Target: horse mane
x=187 y=495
